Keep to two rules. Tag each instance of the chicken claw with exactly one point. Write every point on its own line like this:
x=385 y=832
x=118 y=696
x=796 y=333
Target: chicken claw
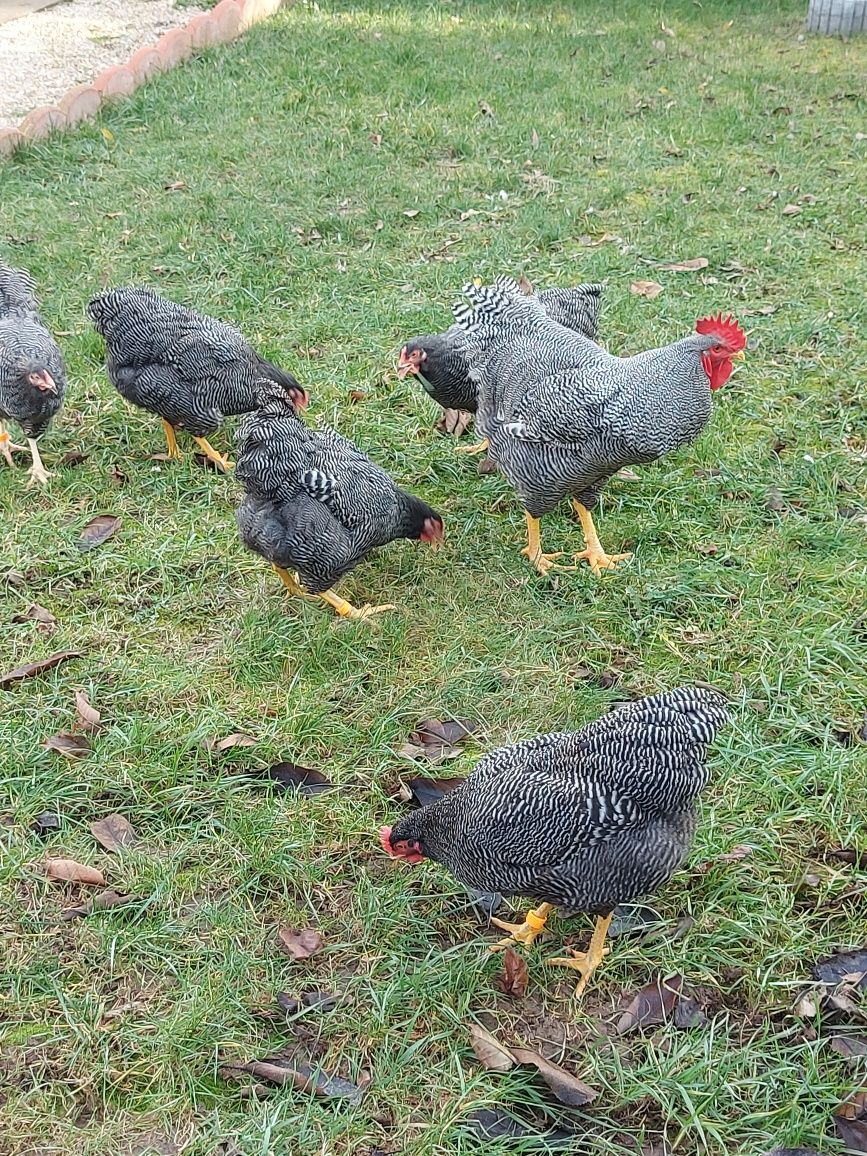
x=478 y=448
x=211 y=454
x=598 y=560
x=587 y=961
x=533 y=550
x=8 y=447
x=347 y=610
x=526 y=932
x=171 y=441
x=38 y=472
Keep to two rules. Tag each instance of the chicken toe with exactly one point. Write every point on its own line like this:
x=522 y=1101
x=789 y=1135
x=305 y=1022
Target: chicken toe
x=587 y=961
x=8 y=447
x=171 y=440
x=211 y=454
x=533 y=550
x=478 y=448
x=529 y=930
x=593 y=553
x=38 y=472
x=347 y=610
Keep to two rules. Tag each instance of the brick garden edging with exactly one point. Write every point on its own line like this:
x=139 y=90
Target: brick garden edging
x=220 y=25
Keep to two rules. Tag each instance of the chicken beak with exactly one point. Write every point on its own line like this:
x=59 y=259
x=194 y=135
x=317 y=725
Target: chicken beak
x=739 y=356
x=44 y=381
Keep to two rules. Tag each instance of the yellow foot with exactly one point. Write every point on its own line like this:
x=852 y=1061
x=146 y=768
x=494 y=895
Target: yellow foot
x=8 y=448
x=545 y=562
x=171 y=441
x=347 y=610
x=598 y=560
x=587 y=961
x=478 y=448
x=211 y=454
x=526 y=932
x=38 y=472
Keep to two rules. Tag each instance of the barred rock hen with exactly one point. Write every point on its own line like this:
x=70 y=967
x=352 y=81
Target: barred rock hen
x=32 y=374
x=440 y=363
x=562 y=415
x=316 y=504
x=582 y=821
x=189 y=369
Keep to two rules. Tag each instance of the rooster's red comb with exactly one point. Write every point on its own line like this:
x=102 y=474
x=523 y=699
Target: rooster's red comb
x=727 y=329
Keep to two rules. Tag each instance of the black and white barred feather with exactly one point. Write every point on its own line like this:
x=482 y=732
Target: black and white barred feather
x=315 y=503
x=26 y=347
x=446 y=372
x=560 y=413
x=188 y=368
x=583 y=820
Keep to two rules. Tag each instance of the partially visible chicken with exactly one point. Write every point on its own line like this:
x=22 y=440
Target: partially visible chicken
x=583 y=821
x=562 y=415
x=189 y=369
x=32 y=374
x=316 y=504
x=439 y=361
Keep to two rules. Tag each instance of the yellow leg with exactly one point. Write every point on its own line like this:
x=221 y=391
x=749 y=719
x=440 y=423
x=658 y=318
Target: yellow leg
x=171 y=440
x=478 y=448
x=7 y=446
x=593 y=553
x=587 y=961
x=533 y=550
x=526 y=932
x=208 y=450
x=347 y=610
x=290 y=582
x=38 y=472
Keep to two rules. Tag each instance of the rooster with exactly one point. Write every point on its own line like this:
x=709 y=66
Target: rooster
x=32 y=374
x=583 y=821
x=439 y=361
x=316 y=504
x=562 y=415
x=189 y=369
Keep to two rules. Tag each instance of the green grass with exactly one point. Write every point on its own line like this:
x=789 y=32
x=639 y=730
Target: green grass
x=185 y=636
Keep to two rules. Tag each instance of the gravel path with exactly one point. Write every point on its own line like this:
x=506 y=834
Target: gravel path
x=45 y=54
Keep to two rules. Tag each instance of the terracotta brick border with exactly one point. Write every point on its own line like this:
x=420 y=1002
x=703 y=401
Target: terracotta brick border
x=220 y=25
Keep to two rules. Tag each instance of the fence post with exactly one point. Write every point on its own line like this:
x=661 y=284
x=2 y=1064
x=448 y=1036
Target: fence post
x=837 y=17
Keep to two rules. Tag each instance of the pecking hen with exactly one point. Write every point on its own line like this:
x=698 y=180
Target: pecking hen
x=439 y=361
x=32 y=374
x=189 y=369
x=316 y=504
x=562 y=415
x=582 y=821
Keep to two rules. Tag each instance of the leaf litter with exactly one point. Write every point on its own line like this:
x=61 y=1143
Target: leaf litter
x=436 y=740
x=454 y=422
x=238 y=739
x=70 y=871
x=43 y=618
x=114 y=832
x=850 y=1120
x=498 y=1057
x=648 y=289
x=297 y=1074
x=97 y=531
x=513 y=978
x=300 y=943
x=89 y=718
x=102 y=901
x=71 y=746
x=423 y=791
x=38 y=667
x=292 y=776
x=659 y=1002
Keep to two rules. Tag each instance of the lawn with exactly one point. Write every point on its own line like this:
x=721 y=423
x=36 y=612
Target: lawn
x=328 y=183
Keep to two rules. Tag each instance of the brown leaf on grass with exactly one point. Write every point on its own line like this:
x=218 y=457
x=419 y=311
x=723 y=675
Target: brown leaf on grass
x=654 y=1004
x=175 y=186
x=238 y=739
x=848 y=854
x=526 y=286
x=739 y=851
x=300 y=943
x=375 y=138
x=568 y=1089
x=454 y=422
x=38 y=667
x=322 y=1001
x=422 y=791
x=436 y=740
x=491 y=1054
x=411 y=213
x=117 y=475
x=45 y=822
x=36 y=613
x=690 y=266
x=88 y=716
x=487 y=465
x=73 y=458
x=100 y=902
x=534 y=140
x=70 y=745
x=114 y=832
x=97 y=531
x=708 y=548
x=791 y=210
x=844 y=967
x=649 y=289
x=299 y=1075
x=849 y=1046
x=356 y=395
x=850 y=1119
x=68 y=871
x=302 y=779
x=513 y=978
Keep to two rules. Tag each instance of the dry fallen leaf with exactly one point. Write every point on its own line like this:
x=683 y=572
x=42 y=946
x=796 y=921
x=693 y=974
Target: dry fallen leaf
x=114 y=832
x=652 y=1005
x=411 y=212
x=71 y=745
x=526 y=285
x=850 y=1119
x=849 y=1046
x=436 y=740
x=513 y=979
x=568 y=1089
x=97 y=531
x=100 y=902
x=649 y=289
x=37 y=667
x=238 y=739
x=357 y=395
x=73 y=458
x=300 y=943
x=375 y=138
x=68 y=871
x=88 y=716
x=454 y=422
x=36 y=613
x=423 y=791
x=534 y=140
x=291 y=776
x=299 y=1075
x=490 y=1053
x=791 y=210
x=689 y=266
x=175 y=186
x=844 y=967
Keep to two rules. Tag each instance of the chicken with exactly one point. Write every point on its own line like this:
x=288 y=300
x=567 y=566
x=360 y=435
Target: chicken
x=562 y=415
x=189 y=369
x=439 y=361
x=583 y=821
x=316 y=504
x=32 y=374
